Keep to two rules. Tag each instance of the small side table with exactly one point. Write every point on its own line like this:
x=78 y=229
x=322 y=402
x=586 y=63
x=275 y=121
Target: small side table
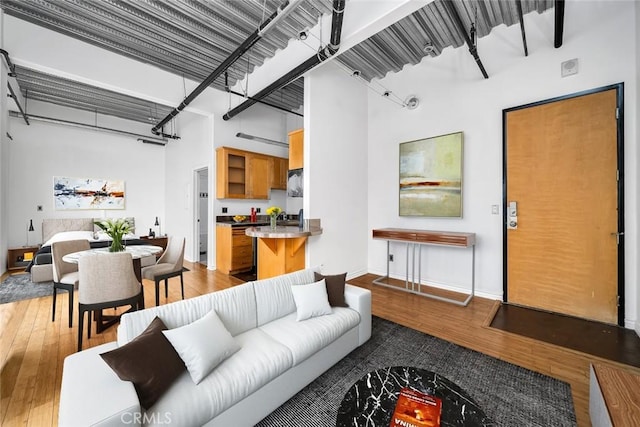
x=15 y=257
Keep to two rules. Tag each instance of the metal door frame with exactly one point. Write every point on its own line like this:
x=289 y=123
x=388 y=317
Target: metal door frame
x=619 y=87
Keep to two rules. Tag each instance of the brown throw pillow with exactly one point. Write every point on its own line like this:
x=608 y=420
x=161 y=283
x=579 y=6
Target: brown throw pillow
x=149 y=361
x=335 y=288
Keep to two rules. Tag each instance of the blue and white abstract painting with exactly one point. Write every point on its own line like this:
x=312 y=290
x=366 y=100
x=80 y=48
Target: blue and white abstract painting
x=87 y=193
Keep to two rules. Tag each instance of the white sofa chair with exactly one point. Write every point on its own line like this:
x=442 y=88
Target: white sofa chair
x=278 y=357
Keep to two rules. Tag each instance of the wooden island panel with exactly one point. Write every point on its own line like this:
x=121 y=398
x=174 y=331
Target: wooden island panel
x=280 y=256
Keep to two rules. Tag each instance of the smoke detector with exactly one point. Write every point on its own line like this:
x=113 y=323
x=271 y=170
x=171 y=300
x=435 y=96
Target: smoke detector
x=412 y=102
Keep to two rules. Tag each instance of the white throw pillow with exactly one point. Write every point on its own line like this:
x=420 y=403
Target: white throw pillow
x=202 y=345
x=311 y=300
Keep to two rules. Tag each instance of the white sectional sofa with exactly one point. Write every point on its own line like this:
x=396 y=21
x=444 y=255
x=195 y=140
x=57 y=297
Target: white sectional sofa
x=278 y=357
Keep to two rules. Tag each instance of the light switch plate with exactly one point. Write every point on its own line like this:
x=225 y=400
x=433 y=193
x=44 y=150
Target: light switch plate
x=495 y=209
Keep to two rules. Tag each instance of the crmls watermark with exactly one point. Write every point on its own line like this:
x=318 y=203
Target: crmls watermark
x=155 y=418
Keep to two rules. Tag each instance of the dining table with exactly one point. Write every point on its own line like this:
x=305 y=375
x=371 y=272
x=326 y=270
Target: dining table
x=137 y=253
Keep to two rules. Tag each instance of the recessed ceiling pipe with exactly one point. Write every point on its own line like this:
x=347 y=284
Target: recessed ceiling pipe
x=473 y=50
x=226 y=86
x=268 y=23
x=524 y=35
x=323 y=54
x=90 y=127
x=559 y=23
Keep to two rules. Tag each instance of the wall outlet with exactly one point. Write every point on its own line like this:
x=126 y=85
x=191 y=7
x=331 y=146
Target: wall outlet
x=224 y=210
x=495 y=209
x=258 y=210
x=391 y=257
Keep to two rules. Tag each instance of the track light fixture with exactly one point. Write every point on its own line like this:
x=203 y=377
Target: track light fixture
x=303 y=35
x=152 y=141
x=261 y=139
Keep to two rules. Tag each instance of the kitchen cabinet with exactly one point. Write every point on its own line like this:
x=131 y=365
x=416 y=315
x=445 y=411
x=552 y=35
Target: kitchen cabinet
x=234 y=250
x=279 y=169
x=242 y=174
x=296 y=149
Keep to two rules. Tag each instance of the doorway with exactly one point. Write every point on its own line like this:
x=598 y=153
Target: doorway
x=202 y=213
x=564 y=208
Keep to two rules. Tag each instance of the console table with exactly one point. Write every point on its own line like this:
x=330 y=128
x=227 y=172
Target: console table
x=416 y=239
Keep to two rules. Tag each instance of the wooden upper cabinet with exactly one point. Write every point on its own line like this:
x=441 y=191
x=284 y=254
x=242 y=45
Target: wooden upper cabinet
x=296 y=149
x=259 y=176
x=279 y=168
x=231 y=173
x=246 y=175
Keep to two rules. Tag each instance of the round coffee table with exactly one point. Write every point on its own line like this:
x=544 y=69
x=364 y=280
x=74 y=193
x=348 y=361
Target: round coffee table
x=372 y=399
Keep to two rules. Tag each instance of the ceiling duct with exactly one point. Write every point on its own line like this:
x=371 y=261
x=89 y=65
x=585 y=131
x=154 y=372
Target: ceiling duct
x=88 y=126
x=233 y=57
x=323 y=54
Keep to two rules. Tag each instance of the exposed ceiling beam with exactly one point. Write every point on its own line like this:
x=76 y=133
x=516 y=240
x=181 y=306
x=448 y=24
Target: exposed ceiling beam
x=473 y=50
x=521 y=19
x=559 y=23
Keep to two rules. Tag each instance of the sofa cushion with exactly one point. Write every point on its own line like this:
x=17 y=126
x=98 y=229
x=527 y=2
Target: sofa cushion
x=236 y=307
x=149 y=362
x=259 y=360
x=306 y=338
x=273 y=296
x=311 y=300
x=84 y=376
x=335 y=288
x=202 y=345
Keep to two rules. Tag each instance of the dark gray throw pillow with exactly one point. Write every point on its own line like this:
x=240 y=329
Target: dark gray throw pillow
x=149 y=361
x=335 y=288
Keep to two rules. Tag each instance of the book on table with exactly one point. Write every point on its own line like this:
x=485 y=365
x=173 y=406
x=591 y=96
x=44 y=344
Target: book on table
x=416 y=409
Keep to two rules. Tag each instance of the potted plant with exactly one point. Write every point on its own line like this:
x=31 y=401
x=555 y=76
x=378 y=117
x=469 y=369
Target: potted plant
x=116 y=229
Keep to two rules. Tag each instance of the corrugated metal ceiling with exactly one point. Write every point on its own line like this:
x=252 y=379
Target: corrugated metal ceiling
x=190 y=38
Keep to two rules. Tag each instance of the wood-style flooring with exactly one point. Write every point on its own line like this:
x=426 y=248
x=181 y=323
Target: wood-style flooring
x=32 y=348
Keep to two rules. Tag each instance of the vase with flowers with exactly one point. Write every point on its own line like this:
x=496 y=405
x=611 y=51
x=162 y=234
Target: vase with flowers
x=116 y=229
x=273 y=212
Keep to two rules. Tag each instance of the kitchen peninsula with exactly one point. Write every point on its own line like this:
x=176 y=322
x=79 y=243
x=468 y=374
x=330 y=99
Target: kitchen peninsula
x=282 y=249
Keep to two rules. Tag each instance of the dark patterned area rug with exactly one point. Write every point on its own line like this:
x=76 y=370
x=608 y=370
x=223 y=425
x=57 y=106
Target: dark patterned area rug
x=19 y=286
x=510 y=395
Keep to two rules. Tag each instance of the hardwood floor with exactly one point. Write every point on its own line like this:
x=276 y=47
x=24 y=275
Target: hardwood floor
x=32 y=348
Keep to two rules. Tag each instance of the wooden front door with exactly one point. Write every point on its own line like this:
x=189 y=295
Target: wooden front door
x=561 y=171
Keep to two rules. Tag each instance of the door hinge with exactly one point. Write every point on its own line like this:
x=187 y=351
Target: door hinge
x=618 y=175
x=618 y=301
x=617 y=113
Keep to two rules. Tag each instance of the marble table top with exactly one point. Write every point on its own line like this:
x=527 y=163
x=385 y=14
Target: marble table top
x=136 y=251
x=372 y=399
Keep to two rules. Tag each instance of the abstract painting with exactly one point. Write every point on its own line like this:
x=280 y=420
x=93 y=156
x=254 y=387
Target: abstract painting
x=87 y=193
x=431 y=176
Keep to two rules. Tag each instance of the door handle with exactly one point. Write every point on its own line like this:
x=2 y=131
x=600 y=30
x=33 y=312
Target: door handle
x=618 y=236
x=512 y=212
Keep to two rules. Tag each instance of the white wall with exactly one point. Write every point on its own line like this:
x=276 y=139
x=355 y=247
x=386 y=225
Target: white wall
x=41 y=151
x=637 y=162
x=335 y=165
x=454 y=97
x=4 y=156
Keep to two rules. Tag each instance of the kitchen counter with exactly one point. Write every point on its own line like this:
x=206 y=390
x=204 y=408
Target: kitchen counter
x=256 y=224
x=282 y=232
